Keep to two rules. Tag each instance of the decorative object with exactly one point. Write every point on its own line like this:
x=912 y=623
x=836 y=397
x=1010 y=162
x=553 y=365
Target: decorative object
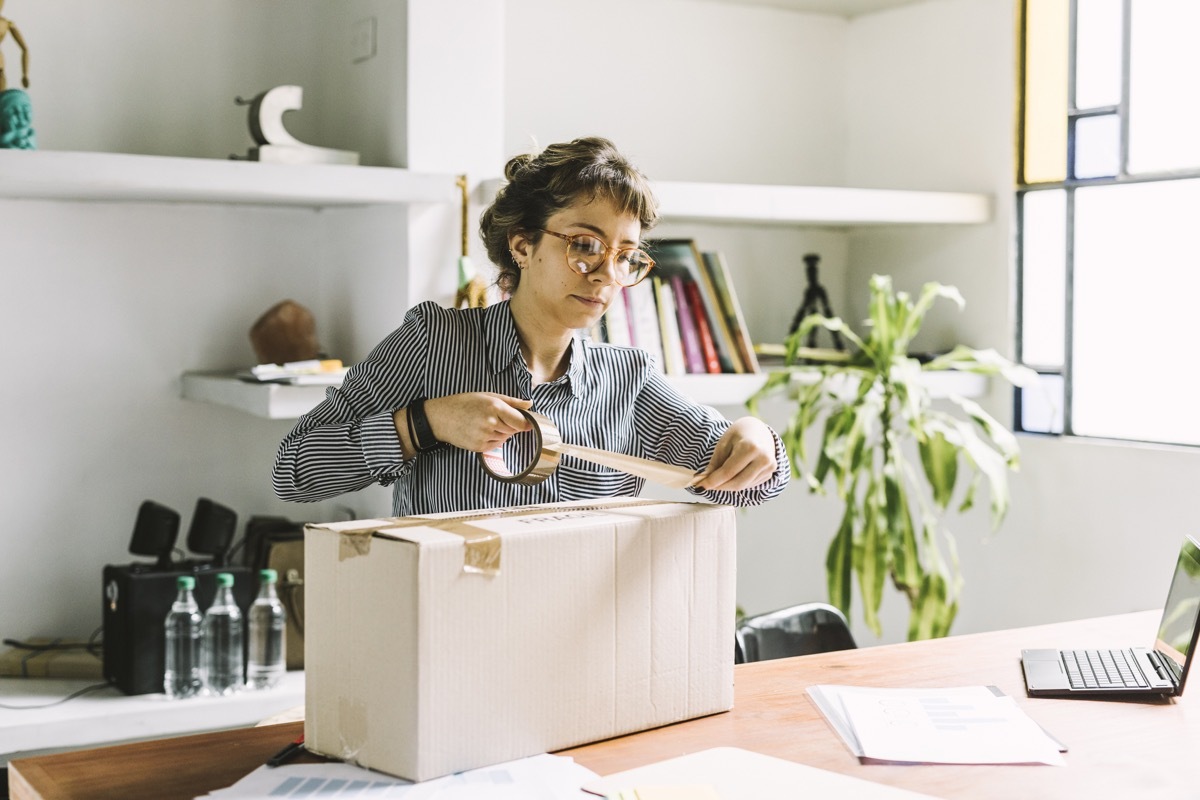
x=286 y=332
x=874 y=413
x=16 y=117
x=472 y=291
x=7 y=27
x=274 y=142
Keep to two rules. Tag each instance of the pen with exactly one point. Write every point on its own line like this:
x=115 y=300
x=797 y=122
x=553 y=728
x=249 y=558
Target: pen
x=287 y=753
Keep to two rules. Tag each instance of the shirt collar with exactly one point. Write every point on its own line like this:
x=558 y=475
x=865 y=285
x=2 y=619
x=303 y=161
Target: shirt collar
x=504 y=345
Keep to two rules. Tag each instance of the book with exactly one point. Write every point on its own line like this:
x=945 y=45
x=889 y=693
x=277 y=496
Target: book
x=709 y=349
x=644 y=321
x=682 y=257
x=674 y=362
x=688 y=334
x=616 y=322
x=722 y=280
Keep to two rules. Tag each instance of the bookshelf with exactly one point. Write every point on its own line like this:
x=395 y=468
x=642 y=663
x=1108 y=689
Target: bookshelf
x=281 y=401
x=119 y=177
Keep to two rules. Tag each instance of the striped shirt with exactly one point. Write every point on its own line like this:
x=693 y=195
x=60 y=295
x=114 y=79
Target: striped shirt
x=610 y=397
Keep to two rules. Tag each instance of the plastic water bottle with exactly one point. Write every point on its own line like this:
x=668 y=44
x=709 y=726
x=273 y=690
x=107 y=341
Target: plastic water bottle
x=221 y=642
x=267 y=645
x=181 y=678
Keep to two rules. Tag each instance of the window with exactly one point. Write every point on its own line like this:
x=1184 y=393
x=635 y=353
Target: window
x=1108 y=214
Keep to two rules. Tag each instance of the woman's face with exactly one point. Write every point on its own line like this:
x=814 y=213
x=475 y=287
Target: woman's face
x=559 y=296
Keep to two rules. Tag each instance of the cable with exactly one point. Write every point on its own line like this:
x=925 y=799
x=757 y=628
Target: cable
x=71 y=696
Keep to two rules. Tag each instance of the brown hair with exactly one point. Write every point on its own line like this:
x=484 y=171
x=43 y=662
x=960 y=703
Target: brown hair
x=542 y=184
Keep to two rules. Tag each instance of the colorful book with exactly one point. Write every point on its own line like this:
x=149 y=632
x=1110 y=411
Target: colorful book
x=643 y=320
x=616 y=321
x=711 y=362
x=674 y=361
x=681 y=257
x=722 y=281
x=692 y=356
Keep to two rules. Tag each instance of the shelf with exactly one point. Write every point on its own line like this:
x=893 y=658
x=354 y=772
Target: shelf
x=281 y=401
x=60 y=175
x=806 y=205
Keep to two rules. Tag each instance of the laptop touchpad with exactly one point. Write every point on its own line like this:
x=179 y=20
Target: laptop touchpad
x=1044 y=674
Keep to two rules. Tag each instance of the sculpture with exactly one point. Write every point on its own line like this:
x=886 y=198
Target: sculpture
x=16 y=115
x=274 y=142
x=6 y=26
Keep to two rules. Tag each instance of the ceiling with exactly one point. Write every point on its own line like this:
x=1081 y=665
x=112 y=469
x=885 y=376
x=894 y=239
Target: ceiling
x=845 y=8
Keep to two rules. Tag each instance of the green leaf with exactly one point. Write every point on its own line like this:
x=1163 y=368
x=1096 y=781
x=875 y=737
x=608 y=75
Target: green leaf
x=872 y=565
x=906 y=567
x=939 y=457
x=839 y=562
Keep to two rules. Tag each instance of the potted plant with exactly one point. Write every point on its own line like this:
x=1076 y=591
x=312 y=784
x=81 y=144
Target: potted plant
x=894 y=459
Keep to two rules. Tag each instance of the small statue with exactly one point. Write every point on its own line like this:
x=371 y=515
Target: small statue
x=16 y=116
x=5 y=27
x=816 y=301
x=274 y=142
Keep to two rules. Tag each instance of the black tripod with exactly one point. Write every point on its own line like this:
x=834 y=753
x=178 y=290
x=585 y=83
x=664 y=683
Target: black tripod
x=816 y=301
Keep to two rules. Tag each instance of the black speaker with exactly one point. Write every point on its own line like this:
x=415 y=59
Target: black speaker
x=212 y=529
x=137 y=598
x=155 y=532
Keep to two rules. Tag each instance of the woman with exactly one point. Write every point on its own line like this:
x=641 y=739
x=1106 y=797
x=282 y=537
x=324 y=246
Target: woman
x=448 y=384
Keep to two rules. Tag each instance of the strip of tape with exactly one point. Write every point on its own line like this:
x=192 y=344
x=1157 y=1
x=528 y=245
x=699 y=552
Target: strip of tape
x=549 y=447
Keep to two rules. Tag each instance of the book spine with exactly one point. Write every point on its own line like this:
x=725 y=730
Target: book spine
x=674 y=362
x=617 y=321
x=692 y=354
x=731 y=309
x=708 y=347
x=644 y=321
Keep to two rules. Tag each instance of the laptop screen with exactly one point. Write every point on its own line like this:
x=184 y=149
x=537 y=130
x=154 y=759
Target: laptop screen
x=1177 y=631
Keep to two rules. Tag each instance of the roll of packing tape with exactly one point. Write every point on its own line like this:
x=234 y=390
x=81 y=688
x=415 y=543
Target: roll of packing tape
x=541 y=466
x=548 y=446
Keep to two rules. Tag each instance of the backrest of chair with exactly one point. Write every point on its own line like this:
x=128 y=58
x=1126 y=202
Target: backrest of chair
x=795 y=631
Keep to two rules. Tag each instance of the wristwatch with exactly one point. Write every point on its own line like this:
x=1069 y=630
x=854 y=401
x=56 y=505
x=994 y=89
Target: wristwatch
x=419 y=430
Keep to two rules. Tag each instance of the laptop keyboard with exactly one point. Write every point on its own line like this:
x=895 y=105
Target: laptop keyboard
x=1102 y=669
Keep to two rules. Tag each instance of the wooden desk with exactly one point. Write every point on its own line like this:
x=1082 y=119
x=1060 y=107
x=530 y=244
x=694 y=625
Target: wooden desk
x=1117 y=749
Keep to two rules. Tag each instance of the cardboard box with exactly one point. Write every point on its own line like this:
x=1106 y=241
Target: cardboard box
x=450 y=642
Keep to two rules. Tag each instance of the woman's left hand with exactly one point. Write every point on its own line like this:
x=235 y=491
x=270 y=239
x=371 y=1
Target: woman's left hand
x=744 y=457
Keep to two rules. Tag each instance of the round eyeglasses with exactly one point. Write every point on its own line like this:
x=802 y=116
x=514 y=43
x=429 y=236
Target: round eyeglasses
x=587 y=253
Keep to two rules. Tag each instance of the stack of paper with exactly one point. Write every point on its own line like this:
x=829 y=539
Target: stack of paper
x=962 y=725
x=544 y=777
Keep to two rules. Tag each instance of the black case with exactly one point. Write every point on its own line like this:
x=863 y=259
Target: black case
x=137 y=598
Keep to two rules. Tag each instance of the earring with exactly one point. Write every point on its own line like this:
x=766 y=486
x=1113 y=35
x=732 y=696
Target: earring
x=516 y=261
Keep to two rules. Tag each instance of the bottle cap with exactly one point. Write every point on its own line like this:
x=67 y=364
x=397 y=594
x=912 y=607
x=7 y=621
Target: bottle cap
x=185 y=582
x=224 y=579
x=267 y=576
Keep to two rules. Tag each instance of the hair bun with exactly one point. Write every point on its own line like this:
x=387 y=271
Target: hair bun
x=517 y=164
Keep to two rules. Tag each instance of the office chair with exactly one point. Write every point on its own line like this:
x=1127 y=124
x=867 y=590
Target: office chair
x=795 y=631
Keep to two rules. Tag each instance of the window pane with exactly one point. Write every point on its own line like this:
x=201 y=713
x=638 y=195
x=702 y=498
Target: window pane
x=1098 y=53
x=1046 y=65
x=1136 y=284
x=1043 y=277
x=1164 y=117
x=1097 y=146
x=1042 y=405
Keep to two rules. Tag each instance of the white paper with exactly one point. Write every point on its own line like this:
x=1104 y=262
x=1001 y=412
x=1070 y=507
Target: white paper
x=962 y=725
x=543 y=777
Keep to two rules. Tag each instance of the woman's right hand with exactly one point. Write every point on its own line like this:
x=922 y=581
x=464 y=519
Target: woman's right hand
x=476 y=421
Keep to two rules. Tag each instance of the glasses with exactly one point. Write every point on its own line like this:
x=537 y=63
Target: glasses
x=587 y=253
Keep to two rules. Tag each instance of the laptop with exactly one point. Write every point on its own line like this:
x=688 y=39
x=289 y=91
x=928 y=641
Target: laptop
x=1134 y=671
